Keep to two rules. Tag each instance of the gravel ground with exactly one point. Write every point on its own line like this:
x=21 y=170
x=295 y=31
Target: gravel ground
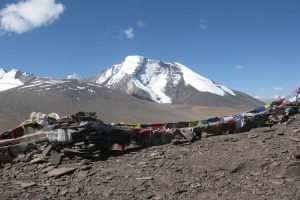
x=261 y=164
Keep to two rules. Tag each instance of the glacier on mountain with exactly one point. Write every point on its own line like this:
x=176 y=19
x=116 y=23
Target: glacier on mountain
x=155 y=77
x=8 y=79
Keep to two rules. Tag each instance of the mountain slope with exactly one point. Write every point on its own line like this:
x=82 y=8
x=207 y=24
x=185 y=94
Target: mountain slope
x=70 y=96
x=168 y=82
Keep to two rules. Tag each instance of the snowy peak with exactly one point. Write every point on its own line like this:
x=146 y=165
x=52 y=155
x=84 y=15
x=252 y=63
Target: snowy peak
x=13 y=78
x=2 y=72
x=74 y=76
x=131 y=64
x=116 y=73
x=155 y=80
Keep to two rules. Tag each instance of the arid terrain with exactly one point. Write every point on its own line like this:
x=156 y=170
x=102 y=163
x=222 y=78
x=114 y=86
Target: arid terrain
x=261 y=164
x=110 y=106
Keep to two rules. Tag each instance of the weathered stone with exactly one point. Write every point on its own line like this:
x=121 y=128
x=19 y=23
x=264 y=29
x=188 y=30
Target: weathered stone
x=296 y=130
x=85 y=167
x=142 y=163
x=52 y=190
x=73 y=190
x=276 y=181
x=37 y=160
x=155 y=154
x=61 y=171
x=48 y=169
x=61 y=183
x=47 y=150
x=56 y=158
x=144 y=178
x=81 y=176
x=27 y=185
x=295 y=139
x=63 y=192
x=280 y=133
x=297 y=155
x=195 y=185
x=179 y=191
x=146 y=195
x=252 y=135
x=293 y=171
x=276 y=164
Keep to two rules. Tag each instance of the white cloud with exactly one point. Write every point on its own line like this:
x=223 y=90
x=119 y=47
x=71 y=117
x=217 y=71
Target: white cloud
x=129 y=33
x=268 y=99
x=278 y=88
x=26 y=15
x=141 y=23
x=239 y=67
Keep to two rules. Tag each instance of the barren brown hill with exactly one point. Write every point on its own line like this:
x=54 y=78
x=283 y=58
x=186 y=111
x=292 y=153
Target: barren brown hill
x=70 y=96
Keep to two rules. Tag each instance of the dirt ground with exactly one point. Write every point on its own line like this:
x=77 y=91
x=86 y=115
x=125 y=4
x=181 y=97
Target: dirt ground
x=261 y=164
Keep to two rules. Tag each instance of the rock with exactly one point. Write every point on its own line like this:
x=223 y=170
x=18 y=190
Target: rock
x=48 y=169
x=73 y=190
x=107 y=192
x=63 y=192
x=141 y=189
x=27 y=185
x=179 y=191
x=145 y=196
x=296 y=130
x=252 y=135
x=236 y=167
x=145 y=178
x=52 y=190
x=37 y=160
x=85 y=167
x=56 y=158
x=47 y=150
x=276 y=181
x=293 y=171
x=297 y=156
x=61 y=171
x=142 y=163
x=61 y=183
x=155 y=154
x=234 y=140
x=81 y=176
x=295 y=139
x=274 y=164
x=280 y=133
x=195 y=185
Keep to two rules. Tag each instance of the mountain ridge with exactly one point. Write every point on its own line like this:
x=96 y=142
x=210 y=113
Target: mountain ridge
x=168 y=82
x=151 y=80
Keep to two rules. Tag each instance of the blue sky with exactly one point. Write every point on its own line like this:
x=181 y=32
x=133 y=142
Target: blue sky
x=252 y=46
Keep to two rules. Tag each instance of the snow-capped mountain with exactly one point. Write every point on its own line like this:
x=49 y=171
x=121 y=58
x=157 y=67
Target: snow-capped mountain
x=74 y=76
x=156 y=81
x=13 y=78
x=166 y=82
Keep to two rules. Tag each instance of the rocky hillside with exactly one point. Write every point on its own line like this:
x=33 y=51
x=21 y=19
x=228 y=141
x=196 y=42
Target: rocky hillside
x=261 y=164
